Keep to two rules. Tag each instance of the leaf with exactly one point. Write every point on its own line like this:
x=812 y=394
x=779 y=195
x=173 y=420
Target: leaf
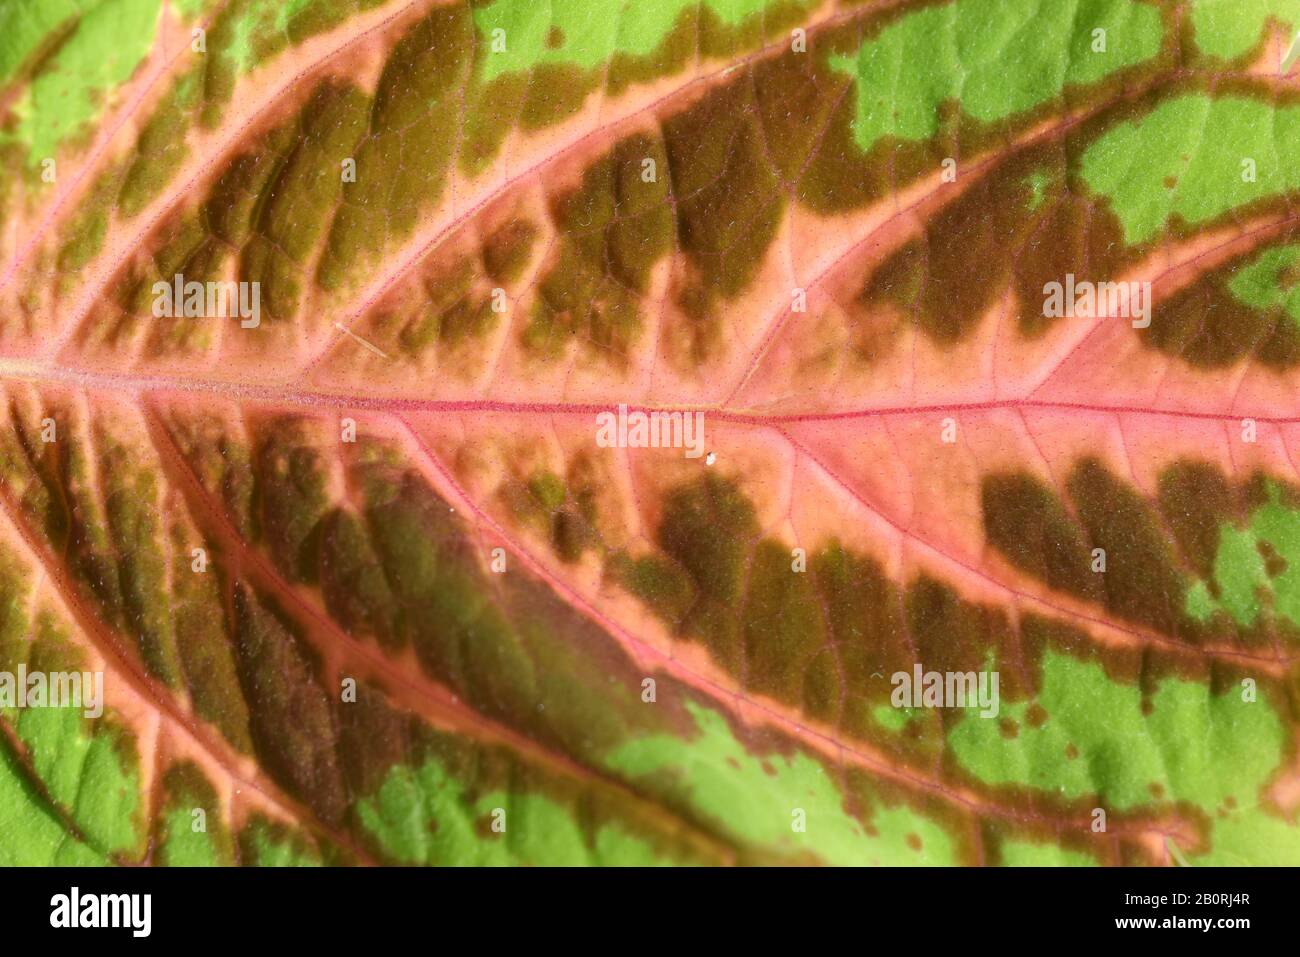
x=626 y=404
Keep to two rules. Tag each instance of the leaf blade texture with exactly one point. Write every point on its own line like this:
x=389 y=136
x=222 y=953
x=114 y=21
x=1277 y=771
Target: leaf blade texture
x=507 y=433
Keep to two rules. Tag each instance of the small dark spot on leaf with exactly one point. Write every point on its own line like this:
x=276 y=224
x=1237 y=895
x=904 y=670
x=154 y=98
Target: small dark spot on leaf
x=1274 y=564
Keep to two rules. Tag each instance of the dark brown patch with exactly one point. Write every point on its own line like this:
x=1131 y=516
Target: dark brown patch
x=1194 y=499
x=1142 y=581
x=1025 y=520
x=993 y=237
x=614 y=227
x=1208 y=327
x=290 y=715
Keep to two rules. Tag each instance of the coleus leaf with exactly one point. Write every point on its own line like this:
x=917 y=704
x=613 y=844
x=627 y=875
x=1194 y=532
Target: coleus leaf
x=364 y=579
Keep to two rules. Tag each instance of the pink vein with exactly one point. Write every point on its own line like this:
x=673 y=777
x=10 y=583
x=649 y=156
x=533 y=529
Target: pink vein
x=311 y=398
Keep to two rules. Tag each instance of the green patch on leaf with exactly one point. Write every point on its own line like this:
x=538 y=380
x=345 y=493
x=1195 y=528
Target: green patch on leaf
x=1255 y=566
x=423 y=815
x=1100 y=737
x=1251 y=837
x=93 y=773
x=1231 y=28
x=87 y=767
x=28 y=25
x=100 y=53
x=192 y=832
x=1269 y=281
x=891 y=718
x=992 y=58
x=568 y=31
x=33 y=836
x=1196 y=158
x=271 y=844
x=758 y=800
x=1029 y=854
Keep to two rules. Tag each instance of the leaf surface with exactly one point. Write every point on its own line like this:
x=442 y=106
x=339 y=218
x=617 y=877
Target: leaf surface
x=379 y=570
